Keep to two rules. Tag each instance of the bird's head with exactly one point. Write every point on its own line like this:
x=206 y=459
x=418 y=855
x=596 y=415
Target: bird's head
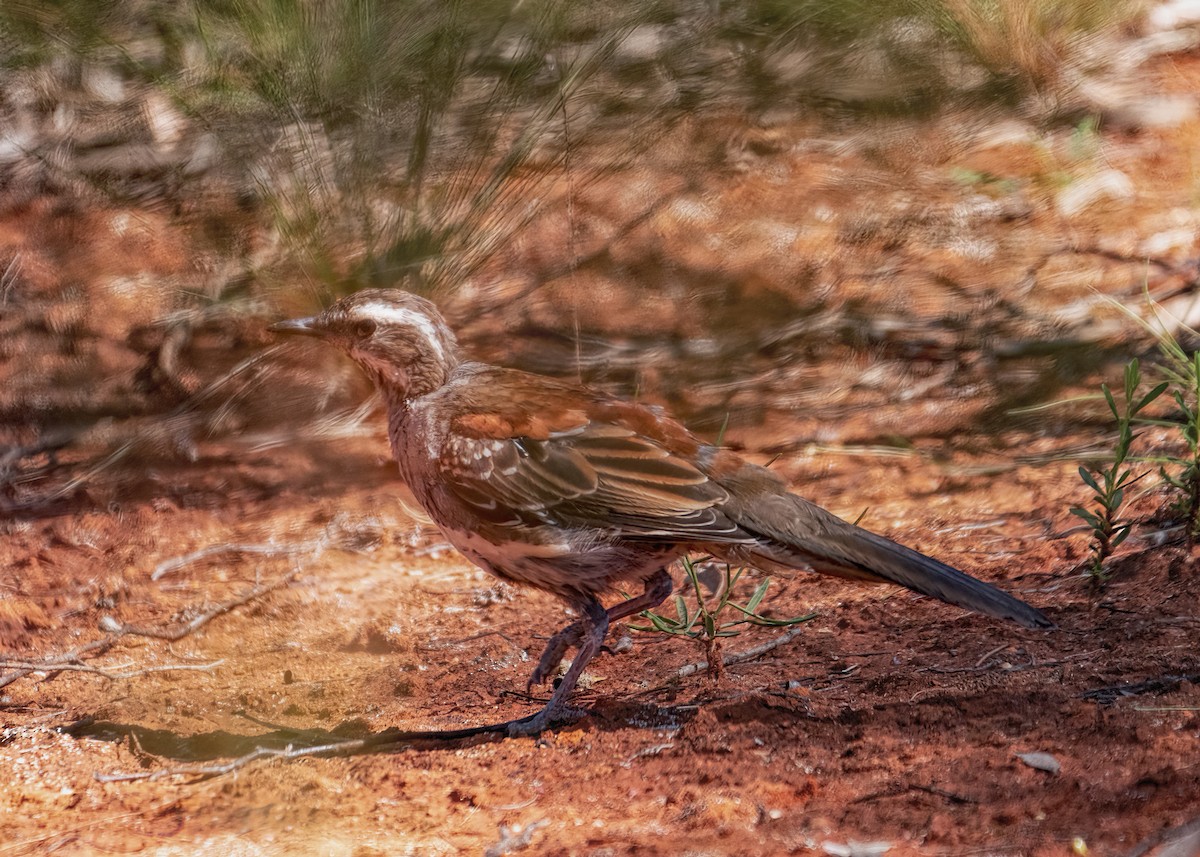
x=399 y=339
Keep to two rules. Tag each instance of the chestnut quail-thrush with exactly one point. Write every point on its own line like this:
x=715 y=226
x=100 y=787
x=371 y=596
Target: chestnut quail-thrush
x=578 y=493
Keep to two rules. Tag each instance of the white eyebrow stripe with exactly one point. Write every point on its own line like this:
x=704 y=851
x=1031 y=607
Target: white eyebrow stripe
x=402 y=315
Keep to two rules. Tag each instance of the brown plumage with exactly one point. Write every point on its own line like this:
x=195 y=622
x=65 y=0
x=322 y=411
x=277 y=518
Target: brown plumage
x=578 y=493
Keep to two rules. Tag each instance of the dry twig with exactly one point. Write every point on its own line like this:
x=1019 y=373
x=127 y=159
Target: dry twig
x=746 y=655
x=54 y=668
x=175 y=563
x=1008 y=668
x=339 y=748
x=73 y=659
x=94 y=649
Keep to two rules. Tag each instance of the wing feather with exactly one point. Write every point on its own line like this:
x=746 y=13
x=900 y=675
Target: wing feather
x=527 y=448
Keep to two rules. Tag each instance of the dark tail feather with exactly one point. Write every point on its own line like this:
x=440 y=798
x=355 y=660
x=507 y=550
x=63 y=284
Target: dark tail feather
x=896 y=563
x=809 y=535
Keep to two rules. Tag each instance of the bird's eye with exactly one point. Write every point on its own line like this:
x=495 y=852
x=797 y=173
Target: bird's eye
x=364 y=327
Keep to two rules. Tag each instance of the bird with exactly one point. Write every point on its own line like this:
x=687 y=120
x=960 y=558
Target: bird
x=567 y=489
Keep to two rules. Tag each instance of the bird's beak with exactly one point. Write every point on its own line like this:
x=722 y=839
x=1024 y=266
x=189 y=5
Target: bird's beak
x=299 y=326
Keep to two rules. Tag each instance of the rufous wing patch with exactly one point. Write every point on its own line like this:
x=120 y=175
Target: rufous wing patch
x=536 y=426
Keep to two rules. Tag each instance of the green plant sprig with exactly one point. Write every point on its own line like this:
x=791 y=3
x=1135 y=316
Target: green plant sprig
x=1187 y=478
x=1109 y=529
x=705 y=625
x=1182 y=372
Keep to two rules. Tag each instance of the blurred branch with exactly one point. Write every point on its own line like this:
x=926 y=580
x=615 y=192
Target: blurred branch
x=52 y=665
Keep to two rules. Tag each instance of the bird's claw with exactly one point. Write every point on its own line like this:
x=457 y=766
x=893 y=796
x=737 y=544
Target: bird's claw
x=543 y=720
x=552 y=656
x=540 y=674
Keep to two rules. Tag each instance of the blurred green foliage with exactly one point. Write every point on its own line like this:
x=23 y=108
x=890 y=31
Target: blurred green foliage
x=401 y=129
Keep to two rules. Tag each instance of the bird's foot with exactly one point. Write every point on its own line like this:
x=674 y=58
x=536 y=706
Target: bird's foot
x=549 y=716
x=588 y=633
x=658 y=588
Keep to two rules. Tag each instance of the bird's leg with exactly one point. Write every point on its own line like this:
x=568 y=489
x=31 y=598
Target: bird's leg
x=657 y=589
x=593 y=625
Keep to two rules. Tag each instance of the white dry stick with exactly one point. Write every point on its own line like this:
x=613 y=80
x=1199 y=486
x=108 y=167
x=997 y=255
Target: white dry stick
x=748 y=654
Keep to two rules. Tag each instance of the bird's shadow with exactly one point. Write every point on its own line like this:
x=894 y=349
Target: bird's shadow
x=349 y=738
x=168 y=753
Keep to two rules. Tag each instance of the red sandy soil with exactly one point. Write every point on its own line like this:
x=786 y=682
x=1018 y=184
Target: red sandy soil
x=888 y=718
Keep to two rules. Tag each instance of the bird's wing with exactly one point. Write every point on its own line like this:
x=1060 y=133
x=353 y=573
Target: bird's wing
x=524 y=448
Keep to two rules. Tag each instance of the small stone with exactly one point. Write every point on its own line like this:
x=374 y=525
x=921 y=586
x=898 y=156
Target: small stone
x=1162 y=243
x=1178 y=13
x=856 y=849
x=643 y=44
x=1107 y=184
x=1041 y=761
x=1163 y=111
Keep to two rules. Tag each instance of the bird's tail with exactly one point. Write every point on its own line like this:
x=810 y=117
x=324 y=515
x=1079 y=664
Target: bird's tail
x=797 y=533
